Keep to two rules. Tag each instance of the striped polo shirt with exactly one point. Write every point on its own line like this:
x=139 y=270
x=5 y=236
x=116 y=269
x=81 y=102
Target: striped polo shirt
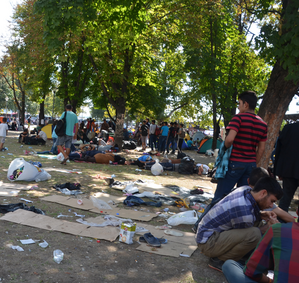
x=251 y=129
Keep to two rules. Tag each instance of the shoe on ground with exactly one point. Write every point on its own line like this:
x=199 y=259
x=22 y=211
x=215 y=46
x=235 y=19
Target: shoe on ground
x=216 y=263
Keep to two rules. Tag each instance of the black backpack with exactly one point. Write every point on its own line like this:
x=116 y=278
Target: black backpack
x=61 y=126
x=186 y=166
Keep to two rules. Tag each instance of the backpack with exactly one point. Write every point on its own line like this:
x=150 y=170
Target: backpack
x=61 y=126
x=186 y=166
x=182 y=133
x=157 y=131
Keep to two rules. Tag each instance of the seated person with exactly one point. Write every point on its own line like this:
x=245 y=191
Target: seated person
x=23 y=135
x=82 y=135
x=40 y=138
x=277 y=251
x=190 y=144
x=228 y=229
x=103 y=145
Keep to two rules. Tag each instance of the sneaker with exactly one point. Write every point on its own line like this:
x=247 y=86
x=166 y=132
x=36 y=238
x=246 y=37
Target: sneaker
x=216 y=263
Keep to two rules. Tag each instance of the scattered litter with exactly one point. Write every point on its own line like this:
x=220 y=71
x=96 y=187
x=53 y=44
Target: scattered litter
x=79 y=215
x=44 y=244
x=163 y=227
x=157 y=168
x=26 y=200
x=18 y=248
x=127 y=232
x=9 y=154
x=61 y=215
x=100 y=204
x=58 y=256
x=113 y=176
x=80 y=201
x=27 y=242
x=173 y=233
x=186 y=217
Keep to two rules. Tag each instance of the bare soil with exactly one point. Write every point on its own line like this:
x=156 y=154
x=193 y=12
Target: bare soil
x=86 y=260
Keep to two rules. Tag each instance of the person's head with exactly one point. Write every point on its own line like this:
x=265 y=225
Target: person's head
x=175 y=124
x=4 y=119
x=25 y=130
x=104 y=120
x=68 y=107
x=144 y=122
x=266 y=191
x=256 y=174
x=147 y=120
x=153 y=122
x=247 y=101
x=171 y=124
x=181 y=125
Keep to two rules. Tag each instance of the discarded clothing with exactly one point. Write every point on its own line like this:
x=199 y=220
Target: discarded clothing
x=4 y=208
x=69 y=188
x=132 y=201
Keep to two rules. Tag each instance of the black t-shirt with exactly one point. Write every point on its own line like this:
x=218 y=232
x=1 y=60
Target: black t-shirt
x=172 y=132
x=144 y=129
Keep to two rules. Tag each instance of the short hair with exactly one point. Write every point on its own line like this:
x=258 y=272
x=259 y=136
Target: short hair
x=182 y=125
x=249 y=97
x=69 y=107
x=143 y=121
x=171 y=123
x=270 y=185
x=256 y=174
x=154 y=121
x=4 y=119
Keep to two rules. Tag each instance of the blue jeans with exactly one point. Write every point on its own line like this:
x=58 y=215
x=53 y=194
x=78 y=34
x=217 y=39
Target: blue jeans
x=238 y=173
x=233 y=272
x=172 y=141
x=153 y=141
x=162 y=143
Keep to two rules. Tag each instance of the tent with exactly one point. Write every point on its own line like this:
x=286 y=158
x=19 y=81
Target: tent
x=206 y=144
x=48 y=130
x=198 y=136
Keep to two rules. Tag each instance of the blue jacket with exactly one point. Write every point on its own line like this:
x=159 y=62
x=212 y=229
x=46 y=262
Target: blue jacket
x=222 y=161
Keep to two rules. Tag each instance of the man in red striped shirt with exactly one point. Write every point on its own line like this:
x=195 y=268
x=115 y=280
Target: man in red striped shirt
x=248 y=135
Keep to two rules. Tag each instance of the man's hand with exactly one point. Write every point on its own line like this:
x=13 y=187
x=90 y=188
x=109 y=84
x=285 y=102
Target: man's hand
x=268 y=215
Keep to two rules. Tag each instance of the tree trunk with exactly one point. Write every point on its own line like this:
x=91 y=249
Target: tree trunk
x=275 y=103
x=119 y=125
x=41 y=115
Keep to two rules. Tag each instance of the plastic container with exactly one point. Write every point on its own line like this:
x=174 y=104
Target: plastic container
x=58 y=256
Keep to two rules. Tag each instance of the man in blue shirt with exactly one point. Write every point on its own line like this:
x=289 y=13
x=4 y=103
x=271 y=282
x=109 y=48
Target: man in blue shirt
x=163 y=137
x=66 y=140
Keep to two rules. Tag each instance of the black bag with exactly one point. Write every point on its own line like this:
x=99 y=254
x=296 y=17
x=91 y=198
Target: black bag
x=186 y=166
x=30 y=141
x=61 y=126
x=129 y=145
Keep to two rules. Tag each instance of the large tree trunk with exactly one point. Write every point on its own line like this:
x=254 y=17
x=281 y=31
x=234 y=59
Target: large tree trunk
x=41 y=116
x=275 y=103
x=119 y=125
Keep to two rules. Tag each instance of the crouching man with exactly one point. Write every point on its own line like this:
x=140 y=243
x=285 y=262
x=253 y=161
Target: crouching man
x=228 y=230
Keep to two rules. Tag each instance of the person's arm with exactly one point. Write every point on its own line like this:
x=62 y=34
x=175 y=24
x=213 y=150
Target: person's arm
x=260 y=151
x=230 y=138
x=283 y=215
x=76 y=131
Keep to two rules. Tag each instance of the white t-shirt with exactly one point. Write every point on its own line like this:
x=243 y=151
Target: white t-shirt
x=3 y=129
x=43 y=135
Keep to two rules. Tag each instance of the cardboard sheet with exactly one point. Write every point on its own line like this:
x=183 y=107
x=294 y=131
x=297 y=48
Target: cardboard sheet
x=15 y=186
x=87 y=205
x=170 y=249
x=107 y=197
x=32 y=219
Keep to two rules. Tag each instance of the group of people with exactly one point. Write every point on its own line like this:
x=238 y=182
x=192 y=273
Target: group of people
x=243 y=232
x=164 y=137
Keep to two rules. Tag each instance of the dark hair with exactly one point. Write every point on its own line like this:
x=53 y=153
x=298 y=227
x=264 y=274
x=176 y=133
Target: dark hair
x=154 y=121
x=256 y=174
x=69 y=107
x=249 y=97
x=270 y=185
x=143 y=121
x=4 y=119
x=182 y=125
x=119 y=159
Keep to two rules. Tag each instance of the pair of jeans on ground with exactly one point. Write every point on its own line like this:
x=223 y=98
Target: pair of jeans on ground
x=238 y=173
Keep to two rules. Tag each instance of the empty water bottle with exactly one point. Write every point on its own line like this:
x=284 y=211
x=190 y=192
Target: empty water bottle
x=58 y=256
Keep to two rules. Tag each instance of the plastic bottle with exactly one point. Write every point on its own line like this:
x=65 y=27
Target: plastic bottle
x=58 y=256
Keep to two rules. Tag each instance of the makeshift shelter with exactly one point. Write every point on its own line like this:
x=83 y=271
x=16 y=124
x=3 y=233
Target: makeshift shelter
x=206 y=144
x=198 y=136
x=48 y=130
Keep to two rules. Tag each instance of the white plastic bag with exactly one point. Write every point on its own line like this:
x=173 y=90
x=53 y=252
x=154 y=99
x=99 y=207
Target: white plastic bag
x=21 y=170
x=157 y=168
x=131 y=189
x=186 y=217
x=100 y=204
x=60 y=157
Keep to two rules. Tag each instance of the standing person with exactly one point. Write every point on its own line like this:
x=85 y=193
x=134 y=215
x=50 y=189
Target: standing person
x=163 y=137
x=171 y=138
x=247 y=136
x=286 y=164
x=144 y=132
x=152 y=135
x=28 y=122
x=66 y=140
x=3 y=133
x=181 y=136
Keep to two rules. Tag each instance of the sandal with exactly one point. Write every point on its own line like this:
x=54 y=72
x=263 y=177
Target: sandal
x=64 y=161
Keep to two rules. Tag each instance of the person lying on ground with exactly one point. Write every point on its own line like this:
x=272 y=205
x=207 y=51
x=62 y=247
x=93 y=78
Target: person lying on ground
x=228 y=229
x=86 y=150
x=103 y=158
x=278 y=251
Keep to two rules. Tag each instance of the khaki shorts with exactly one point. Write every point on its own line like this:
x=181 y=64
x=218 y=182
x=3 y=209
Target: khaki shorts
x=2 y=139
